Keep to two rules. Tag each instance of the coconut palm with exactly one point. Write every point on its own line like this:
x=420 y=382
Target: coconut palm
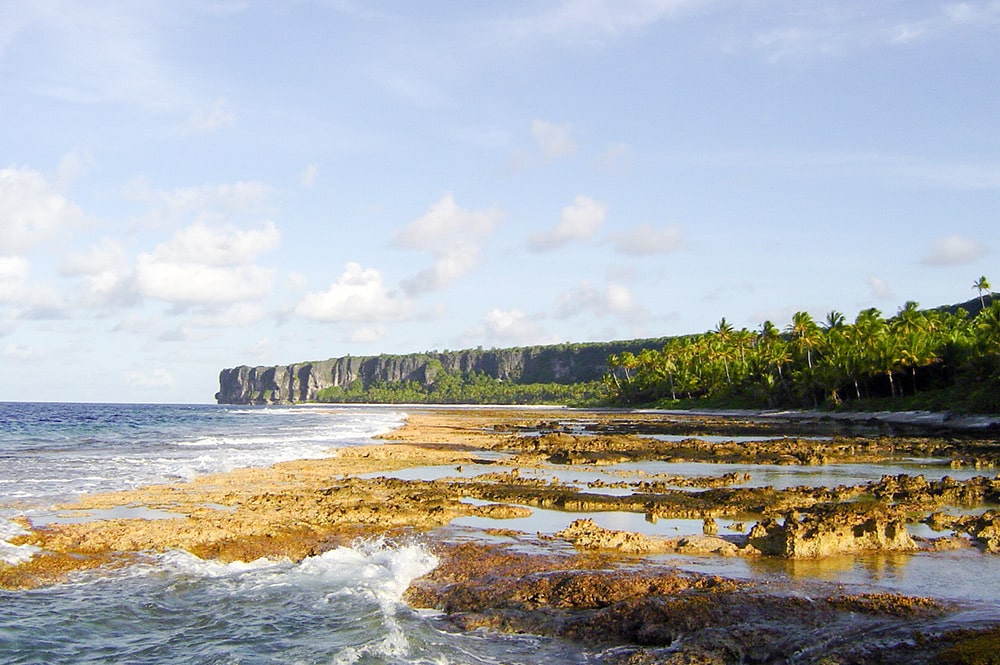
x=981 y=285
x=834 y=319
x=805 y=333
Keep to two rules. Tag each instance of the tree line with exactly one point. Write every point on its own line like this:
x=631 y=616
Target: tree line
x=465 y=388
x=937 y=359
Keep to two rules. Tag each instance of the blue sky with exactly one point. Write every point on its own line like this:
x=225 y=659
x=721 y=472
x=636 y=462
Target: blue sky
x=192 y=185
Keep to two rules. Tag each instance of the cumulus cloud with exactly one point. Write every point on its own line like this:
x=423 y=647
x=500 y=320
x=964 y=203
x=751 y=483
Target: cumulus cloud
x=453 y=236
x=613 y=300
x=202 y=265
x=18 y=288
x=31 y=210
x=195 y=284
x=953 y=250
x=105 y=255
x=107 y=276
x=508 y=328
x=645 y=240
x=207 y=245
x=578 y=221
x=553 y=140
x=358 y=296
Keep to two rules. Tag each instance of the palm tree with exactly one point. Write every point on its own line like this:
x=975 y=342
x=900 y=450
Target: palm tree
x=805 y=332
x=914 y=330
x=834 y=319
x=981 y=285
x=720 y=345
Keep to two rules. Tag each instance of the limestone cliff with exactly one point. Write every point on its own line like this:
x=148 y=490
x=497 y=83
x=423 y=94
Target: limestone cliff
x=300 y=382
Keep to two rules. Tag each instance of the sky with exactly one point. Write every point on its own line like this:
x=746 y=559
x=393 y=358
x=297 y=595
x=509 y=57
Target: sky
x=192 y=185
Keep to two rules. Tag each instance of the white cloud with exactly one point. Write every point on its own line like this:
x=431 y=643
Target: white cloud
x=614 y=299
x=196 y=284
x=14 y=270
x=210 y=118
x=358 y=296
x=953 y=250
x=107 y=276
x=18 y=288
x=507 y=328
x=31 y=210
x=578 y=222
x=105 y=255
x=453 y=236
x=880 y=288
x=645 y=240
x=554 y=140
x=209 y=266
x=210 y=246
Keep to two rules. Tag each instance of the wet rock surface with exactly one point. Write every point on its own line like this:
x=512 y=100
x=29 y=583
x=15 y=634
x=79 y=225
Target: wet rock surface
x=585 y=582
x=655 y=614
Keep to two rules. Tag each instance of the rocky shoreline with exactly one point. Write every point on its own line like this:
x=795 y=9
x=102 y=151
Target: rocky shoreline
x=601 y=586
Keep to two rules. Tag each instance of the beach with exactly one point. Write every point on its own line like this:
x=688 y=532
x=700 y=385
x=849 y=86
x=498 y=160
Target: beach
x=638 y=536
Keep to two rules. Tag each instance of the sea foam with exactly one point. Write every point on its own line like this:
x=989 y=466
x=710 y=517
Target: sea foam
x=374 y=568
x=14 y=554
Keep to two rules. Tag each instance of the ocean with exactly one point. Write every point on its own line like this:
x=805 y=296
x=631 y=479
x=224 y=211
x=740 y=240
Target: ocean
x=341 y=607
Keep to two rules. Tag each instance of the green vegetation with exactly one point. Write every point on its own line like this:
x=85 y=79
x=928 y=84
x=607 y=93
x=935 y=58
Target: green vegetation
x=941 y=359
x=471 y=388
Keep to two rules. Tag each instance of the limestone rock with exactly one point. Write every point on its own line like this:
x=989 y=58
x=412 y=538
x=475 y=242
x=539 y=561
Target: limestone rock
x=833 y=529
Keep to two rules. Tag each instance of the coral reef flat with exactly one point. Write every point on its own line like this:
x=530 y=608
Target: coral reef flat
x=623 y=538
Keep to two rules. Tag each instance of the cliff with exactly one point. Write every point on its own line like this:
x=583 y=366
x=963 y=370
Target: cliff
x=300 y=382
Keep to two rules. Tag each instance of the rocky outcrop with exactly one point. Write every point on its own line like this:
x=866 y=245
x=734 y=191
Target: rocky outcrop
x=833 y=529
x=301 y=382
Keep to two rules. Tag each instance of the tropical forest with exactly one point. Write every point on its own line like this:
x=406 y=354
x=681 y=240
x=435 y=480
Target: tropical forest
x=939 y=359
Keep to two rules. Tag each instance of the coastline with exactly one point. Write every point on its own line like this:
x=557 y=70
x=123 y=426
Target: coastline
x=298 y=509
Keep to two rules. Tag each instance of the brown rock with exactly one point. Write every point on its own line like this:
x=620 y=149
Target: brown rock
x=833 y=529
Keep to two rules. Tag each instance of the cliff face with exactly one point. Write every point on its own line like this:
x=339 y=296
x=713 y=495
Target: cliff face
x=300 y=382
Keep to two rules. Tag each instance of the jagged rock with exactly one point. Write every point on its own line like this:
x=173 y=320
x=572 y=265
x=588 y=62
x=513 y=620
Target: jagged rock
x=586 y=535
x=833 y=529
